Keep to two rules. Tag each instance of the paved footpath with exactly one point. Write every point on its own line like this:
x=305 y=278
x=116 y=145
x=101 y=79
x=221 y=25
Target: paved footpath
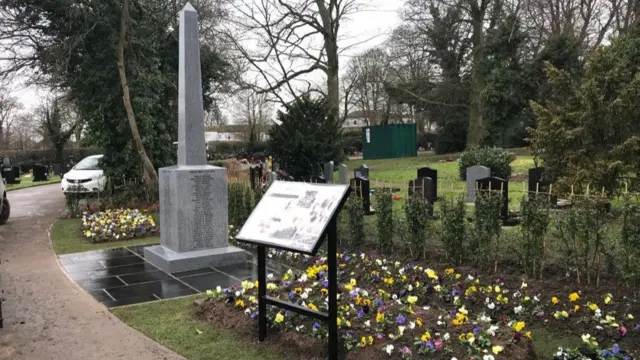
x=46 y=316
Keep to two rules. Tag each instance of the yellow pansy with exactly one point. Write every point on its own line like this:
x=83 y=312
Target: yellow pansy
x=574 y=297
x=497 y=349
x=592 y=306
x=379 y=317
x=554 y=300
x=412 y=299
x=431 y=274
x=425 y=337
x=519 y=326
x=279 y=318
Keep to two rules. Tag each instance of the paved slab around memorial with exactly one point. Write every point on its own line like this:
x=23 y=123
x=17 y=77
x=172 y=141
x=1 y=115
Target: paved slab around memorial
x=122 y=276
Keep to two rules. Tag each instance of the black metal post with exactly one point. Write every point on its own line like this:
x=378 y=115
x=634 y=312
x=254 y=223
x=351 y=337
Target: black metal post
x=262 y=292
x=332 y=238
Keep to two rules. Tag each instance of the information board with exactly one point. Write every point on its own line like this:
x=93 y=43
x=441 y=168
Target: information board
x=293 y=215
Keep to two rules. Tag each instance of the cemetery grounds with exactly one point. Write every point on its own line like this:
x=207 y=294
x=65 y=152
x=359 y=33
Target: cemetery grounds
x=394 y=306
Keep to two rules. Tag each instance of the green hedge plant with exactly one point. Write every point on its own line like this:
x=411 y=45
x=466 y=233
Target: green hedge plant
x=497 y=159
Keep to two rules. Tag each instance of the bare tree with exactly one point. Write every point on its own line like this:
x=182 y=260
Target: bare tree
x=9 y=107
x=591 y=21
x=256 y=111
x=370 y=71
x=26 y=131
x=285 y=40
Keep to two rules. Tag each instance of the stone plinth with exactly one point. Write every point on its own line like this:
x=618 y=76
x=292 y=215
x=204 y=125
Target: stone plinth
x=193 y=220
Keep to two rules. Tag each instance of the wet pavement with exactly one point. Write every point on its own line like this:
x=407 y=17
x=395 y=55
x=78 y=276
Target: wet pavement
x=118 y=277
x=46 y=316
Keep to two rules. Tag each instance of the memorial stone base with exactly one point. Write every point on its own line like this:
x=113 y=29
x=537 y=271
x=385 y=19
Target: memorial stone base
x=194 y=228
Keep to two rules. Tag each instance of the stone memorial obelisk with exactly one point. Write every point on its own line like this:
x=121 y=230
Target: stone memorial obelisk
x=193 y=195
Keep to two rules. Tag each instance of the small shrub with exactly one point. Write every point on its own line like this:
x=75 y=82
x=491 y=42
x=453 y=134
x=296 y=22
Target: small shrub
x=581 y=234
x=384 y=216
x=237 y=207
x=417 y=221
x=454 y=229
x=73 y=205
x=355 y=220
x=258 y=192
x=497 y=159
x=120 y=224
x=534 y=213
x=630 y=244
x=249 y=203
x=349 y=142
x=487 y=227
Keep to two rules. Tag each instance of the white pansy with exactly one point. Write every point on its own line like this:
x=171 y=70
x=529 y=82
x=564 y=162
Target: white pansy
x=389 y=349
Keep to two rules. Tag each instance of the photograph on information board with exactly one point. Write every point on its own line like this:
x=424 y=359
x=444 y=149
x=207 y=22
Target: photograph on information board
x=292 y=215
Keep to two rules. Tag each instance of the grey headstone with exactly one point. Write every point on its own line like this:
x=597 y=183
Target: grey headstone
x=328 y=172
x=272 y=177
x=193 y=196
x=474 y=173
x=191 y=144
x=362 y=172
x=342 y=174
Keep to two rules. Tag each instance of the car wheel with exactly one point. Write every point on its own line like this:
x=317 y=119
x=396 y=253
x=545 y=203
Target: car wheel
x=6 y=210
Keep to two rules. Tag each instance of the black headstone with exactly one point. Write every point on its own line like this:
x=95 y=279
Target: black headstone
x=361 y=172
x=427 y=172
x=361 y=188
x=500 y=185
x=538 y=183
x=255 y=175
x=10 y=176
x=422 y=187
x=40 y=173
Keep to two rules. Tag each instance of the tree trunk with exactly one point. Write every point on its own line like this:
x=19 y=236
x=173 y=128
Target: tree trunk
x=59 y=149
x=477 y=130
x=149 y=172
x=333 y=78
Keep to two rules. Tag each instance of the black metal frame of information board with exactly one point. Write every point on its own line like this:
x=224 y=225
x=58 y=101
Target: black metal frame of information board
x=330 y=233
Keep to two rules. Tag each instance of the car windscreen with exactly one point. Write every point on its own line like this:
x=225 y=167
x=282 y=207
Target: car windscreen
x=90 y=163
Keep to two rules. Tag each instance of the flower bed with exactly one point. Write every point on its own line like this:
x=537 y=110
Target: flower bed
x=119 y=224
x=407 y=310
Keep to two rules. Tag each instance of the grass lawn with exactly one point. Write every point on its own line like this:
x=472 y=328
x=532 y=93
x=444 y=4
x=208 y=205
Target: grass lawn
x=171 y=324
x=26 y=182
x=67 y=238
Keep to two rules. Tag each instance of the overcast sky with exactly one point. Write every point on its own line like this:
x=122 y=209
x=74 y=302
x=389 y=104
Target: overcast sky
x=367 y=28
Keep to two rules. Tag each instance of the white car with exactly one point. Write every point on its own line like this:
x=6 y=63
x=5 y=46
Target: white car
x=86 y=177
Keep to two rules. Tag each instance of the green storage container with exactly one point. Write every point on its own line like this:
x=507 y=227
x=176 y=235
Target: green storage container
x=389 y=141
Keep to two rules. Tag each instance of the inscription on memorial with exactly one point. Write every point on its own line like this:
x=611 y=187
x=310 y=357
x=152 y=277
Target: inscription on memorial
x=167 y=204
x=202 y=197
